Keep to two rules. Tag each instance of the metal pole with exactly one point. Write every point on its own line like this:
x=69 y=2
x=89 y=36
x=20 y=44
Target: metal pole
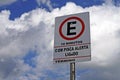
x=72 y=71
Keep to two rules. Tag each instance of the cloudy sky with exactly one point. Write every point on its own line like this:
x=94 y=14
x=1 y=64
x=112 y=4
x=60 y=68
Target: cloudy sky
x=27 y=37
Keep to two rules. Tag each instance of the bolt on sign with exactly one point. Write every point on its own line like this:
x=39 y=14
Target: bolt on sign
x=72 y=38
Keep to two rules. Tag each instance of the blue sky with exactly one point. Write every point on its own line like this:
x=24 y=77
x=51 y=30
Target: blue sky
x=26 y=39
x=21 y=6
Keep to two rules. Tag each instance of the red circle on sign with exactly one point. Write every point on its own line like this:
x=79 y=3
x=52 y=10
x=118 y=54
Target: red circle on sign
x=75 y=37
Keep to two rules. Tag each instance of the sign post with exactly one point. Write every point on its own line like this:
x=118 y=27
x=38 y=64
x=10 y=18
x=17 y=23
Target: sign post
x=72 y=40
x=72 y=71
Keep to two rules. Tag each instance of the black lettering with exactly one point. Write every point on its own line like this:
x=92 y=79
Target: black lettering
x=81 y=47
x=69 y=28
x=71 y=54
x=67 y=60
x=59 y=50
x=69 y=49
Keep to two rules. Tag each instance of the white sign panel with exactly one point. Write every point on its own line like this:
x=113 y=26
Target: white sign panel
x=72 y=38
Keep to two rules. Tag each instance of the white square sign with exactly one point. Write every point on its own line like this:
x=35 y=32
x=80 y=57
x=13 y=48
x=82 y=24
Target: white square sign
x=72 y=38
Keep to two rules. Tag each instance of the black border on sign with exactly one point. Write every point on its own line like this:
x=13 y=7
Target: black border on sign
x=75 y=37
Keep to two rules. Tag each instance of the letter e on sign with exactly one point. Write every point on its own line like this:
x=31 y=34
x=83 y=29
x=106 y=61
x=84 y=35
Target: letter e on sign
x=73 y=32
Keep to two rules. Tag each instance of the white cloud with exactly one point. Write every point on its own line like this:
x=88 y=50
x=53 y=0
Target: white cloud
x=109 y=2
x=6 y=2
x=35 y=30
x=45 y=2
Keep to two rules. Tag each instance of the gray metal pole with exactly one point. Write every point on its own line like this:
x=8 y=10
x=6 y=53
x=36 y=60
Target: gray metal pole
x=72 y=71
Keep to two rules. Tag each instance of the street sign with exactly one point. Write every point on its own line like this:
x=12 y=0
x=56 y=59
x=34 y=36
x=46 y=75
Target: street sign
x=72 y=38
